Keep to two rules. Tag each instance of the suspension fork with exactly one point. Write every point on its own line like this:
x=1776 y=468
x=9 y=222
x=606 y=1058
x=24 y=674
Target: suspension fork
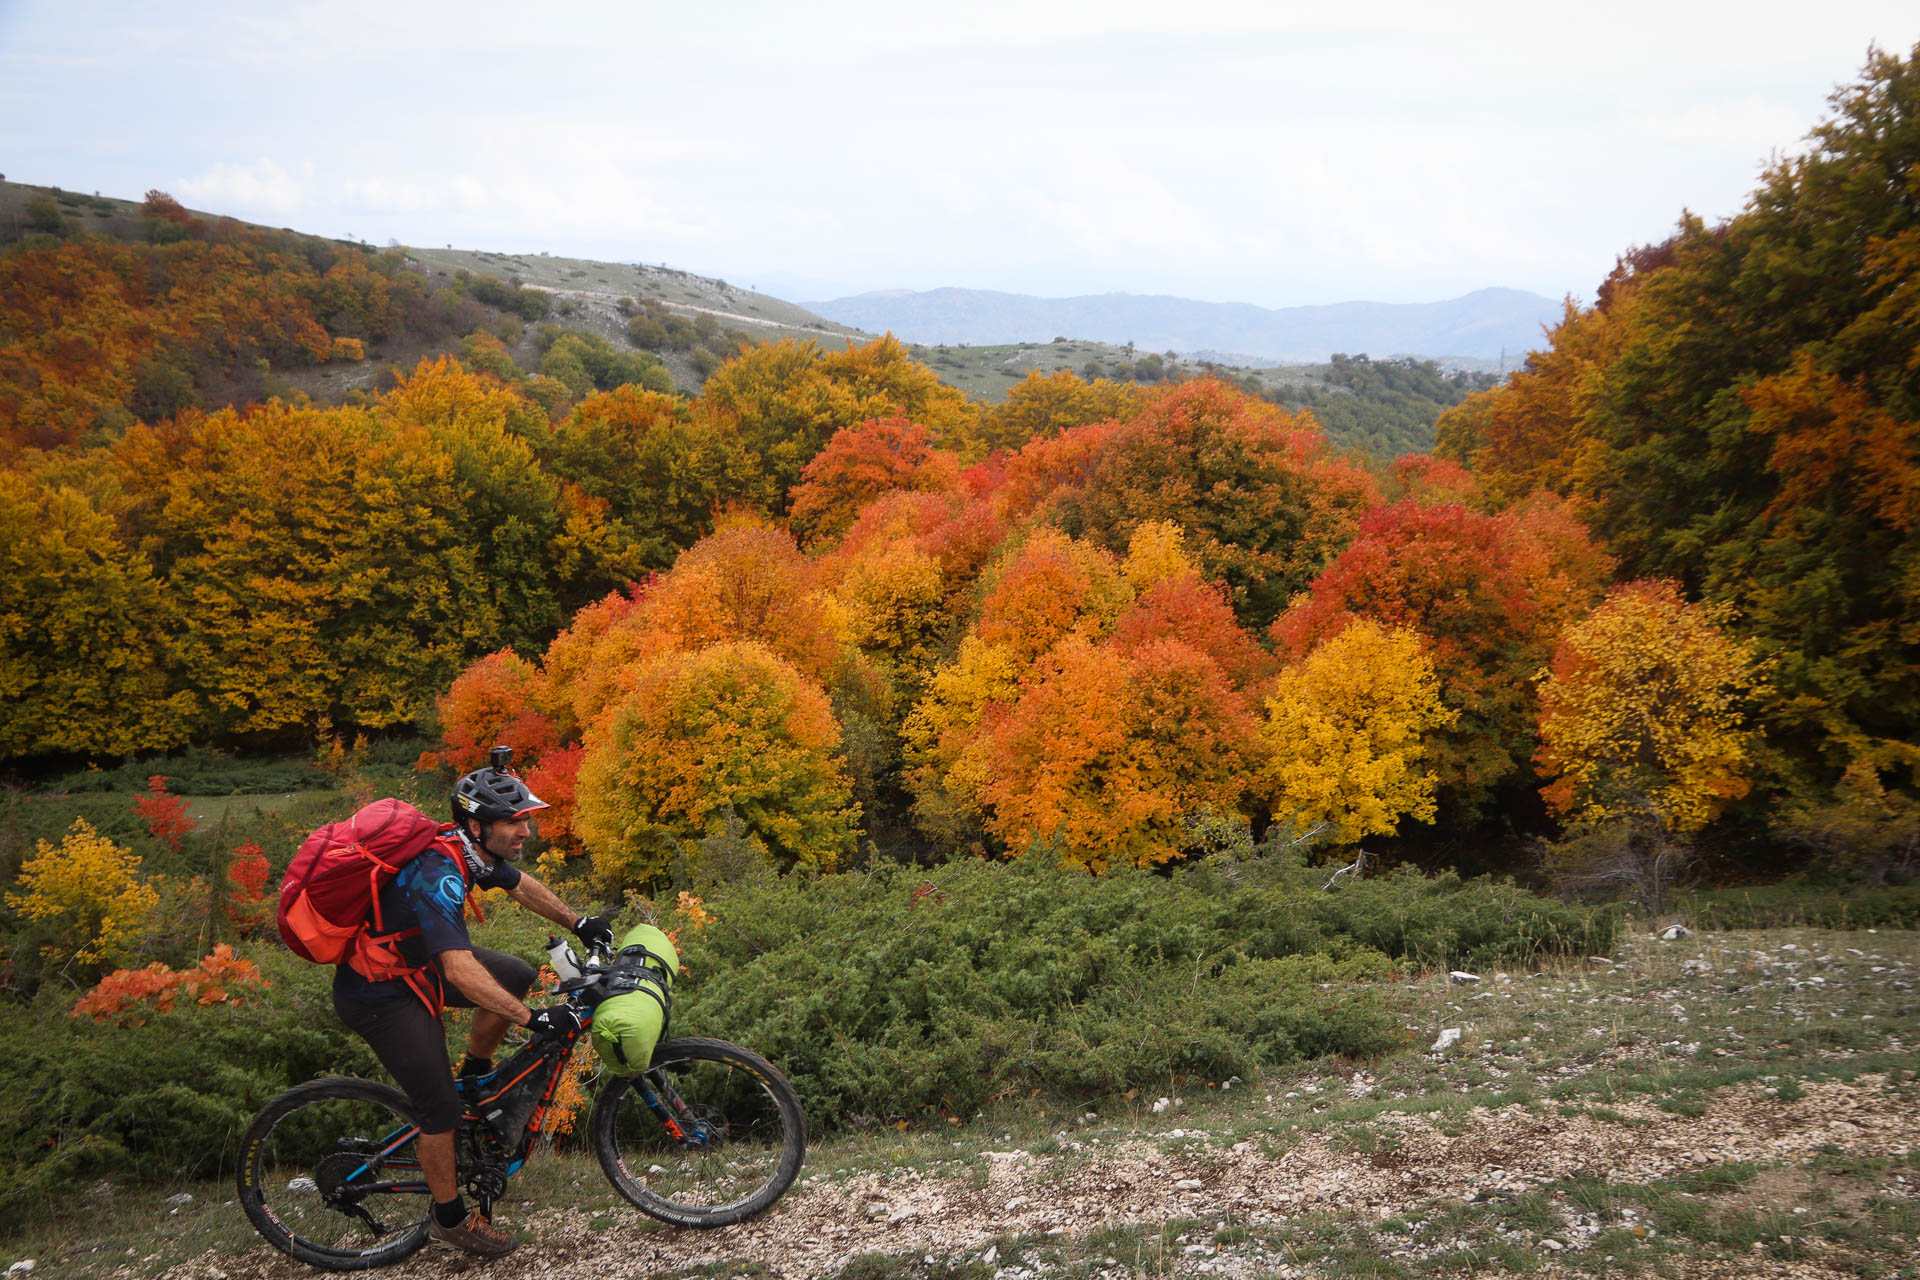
x=671 y=1110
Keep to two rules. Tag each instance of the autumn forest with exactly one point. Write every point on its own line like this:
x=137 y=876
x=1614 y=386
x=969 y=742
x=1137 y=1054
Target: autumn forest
x=1655 y=593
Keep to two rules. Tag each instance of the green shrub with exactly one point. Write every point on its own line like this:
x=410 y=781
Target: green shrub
x=902 y=993
x=80 y=1101
x=201 y=772
x=43 y=214
x=897 y=994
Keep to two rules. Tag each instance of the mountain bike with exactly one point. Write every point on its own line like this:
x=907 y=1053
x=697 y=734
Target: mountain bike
x=710 y=1134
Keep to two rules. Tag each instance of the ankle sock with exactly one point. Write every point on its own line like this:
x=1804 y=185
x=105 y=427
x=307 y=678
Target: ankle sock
x=450 y=1213
x=472 y=1066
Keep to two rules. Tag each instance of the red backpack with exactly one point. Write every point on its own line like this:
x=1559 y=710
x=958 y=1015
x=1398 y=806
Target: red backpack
x=331 y=890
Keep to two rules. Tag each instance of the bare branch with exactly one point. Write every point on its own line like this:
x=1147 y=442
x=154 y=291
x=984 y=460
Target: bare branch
x=1359 y=862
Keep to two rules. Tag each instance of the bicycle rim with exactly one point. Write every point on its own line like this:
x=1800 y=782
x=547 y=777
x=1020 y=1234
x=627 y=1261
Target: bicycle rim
x=710 y=1135
x=330 y=1174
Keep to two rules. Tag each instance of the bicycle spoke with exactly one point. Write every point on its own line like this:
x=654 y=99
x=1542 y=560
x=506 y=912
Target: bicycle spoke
x=332 y=1175
x=710 y=1136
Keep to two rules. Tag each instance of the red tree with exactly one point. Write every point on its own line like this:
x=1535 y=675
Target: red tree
x=861 y=463
x=247 y=904
x=166 y=814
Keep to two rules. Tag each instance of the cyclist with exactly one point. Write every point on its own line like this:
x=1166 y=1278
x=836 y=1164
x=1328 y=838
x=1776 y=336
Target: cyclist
x=416 y=958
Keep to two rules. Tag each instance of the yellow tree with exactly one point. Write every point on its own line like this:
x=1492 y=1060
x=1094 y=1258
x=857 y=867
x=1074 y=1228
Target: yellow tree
x=946 y=752
x=83 y=631
x=88 y=891
x=892 y=600
x=728 y=730
x=782 y=402
x=1644 y=707
x=1041 y=406
x=1345 y=734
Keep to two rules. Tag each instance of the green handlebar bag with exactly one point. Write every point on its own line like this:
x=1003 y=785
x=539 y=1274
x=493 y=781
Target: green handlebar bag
x=634 y=1016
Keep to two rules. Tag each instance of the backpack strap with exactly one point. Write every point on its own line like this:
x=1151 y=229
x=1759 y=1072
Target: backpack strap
x=449 y=840
x=376 y=953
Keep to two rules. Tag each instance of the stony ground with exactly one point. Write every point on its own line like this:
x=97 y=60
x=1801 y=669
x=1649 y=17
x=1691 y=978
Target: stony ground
x=1720 y=1105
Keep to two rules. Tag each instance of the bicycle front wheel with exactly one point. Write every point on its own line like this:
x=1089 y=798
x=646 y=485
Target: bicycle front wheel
x=330 y=1173
x=709 y=1135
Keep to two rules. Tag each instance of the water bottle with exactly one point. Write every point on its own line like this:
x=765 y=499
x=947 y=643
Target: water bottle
x=561 y=957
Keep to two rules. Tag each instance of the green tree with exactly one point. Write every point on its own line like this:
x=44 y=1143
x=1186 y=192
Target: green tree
x=1742 y=409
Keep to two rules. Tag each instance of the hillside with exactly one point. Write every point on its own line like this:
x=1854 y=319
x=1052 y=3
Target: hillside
x=431 y=301
x=148 y=355
x=1486 y=324
x=1552 y=1140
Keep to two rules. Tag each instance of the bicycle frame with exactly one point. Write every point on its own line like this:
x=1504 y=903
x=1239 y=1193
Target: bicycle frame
x=658 y=1096
x=471 y=1117
x=343 y=1161
x=556 y=1065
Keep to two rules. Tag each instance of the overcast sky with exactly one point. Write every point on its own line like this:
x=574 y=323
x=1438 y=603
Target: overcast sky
x=1273 y=153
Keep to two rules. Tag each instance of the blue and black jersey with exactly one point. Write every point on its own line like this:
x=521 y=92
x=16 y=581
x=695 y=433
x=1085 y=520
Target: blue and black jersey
x=431 y=893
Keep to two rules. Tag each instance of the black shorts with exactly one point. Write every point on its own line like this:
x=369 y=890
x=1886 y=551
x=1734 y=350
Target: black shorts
x=411 y=1043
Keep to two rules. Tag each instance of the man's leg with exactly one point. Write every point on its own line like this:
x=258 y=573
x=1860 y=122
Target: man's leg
x=486 y=1033
x=412 y=1045
x=489 y=1028
x=436 y=1161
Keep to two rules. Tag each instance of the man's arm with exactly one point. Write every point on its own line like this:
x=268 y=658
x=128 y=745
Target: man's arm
x=540 y=900
x=473 y=981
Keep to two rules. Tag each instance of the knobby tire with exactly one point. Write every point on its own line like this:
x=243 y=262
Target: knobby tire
x=285 y=1155
x=756 y=1135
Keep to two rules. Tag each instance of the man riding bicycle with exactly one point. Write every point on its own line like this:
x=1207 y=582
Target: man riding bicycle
x=417 y=959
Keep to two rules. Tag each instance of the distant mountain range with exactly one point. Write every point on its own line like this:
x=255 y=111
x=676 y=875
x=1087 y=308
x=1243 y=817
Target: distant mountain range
x=1480 y=325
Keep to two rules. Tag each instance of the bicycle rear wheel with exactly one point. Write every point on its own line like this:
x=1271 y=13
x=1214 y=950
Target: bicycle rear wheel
x=709 y=1135
x=329 y=1173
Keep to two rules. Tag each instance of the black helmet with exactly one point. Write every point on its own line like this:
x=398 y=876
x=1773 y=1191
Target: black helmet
x=493 y=793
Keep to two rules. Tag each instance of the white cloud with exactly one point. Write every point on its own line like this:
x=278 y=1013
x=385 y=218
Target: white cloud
x=260 y=187
x=1275 y=153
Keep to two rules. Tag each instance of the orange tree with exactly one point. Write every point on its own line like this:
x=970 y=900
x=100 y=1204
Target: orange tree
x=747 y=581
x=1263 y=502
x=859 y=464
x=498 y=699
x=1086 y=684
x=1111 y=754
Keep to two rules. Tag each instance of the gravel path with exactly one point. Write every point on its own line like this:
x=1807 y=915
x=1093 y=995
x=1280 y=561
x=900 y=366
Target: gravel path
x=819 y=1227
